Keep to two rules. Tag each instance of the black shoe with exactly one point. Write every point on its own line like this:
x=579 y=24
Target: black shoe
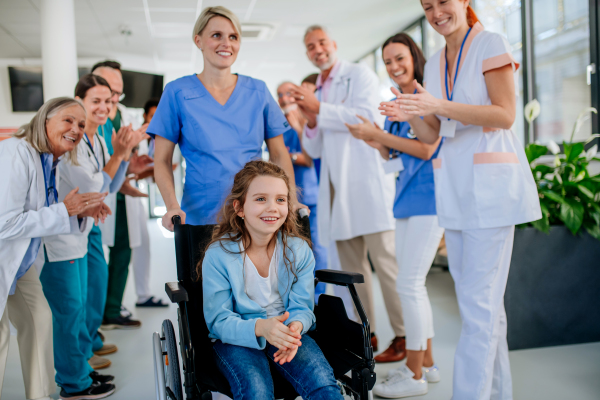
x=120 y=323
x=152 y=302
x=96 y=391
x=96 y=377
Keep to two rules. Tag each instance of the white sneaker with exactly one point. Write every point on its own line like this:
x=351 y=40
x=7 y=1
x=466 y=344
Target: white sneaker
x=432 y=373
x=400 y=383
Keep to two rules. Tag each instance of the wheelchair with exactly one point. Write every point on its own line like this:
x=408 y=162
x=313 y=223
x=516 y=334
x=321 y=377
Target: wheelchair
x=346 y=344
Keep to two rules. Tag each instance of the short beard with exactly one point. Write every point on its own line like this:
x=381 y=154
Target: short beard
x=327 y=65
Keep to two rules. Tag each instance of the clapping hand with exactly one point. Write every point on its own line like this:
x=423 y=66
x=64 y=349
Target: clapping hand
x=363 y=131
x=77 y=203
x=283 y=356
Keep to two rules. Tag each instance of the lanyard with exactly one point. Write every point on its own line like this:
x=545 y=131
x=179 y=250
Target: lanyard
x=52 y=183
x=87 y=141
x=449 y=96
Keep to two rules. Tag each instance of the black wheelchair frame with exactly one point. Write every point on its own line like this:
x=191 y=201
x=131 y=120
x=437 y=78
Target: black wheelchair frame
x=346 y=344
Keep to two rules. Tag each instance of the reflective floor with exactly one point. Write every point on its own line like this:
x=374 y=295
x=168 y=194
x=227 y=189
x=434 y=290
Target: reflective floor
x=556 y=373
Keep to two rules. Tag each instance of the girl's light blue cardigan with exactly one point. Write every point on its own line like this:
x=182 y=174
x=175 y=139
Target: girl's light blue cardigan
x=231 y=315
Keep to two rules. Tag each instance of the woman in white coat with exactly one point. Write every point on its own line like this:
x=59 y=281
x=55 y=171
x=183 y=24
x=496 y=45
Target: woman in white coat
x=29 y=210
x=483 y=183
x=75 y=275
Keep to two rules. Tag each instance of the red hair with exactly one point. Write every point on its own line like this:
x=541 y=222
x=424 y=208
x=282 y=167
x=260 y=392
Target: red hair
x=471 y=16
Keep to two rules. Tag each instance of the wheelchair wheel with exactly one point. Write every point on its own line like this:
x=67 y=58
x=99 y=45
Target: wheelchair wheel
x=172 y=376
x=159 y=377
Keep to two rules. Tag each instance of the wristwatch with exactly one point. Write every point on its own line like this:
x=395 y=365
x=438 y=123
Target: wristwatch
x=294 y=157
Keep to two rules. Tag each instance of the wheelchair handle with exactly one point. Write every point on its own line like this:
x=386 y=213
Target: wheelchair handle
x=303 y=212
x=176 y=219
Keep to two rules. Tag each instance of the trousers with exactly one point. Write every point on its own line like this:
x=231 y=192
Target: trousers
x=479 y=260
x=140 y=256
x=417 y=240
x=118 y=262
x=353 y=258
x=248 y=371
x=97 y=287
x=29 y=312
x=65 y=286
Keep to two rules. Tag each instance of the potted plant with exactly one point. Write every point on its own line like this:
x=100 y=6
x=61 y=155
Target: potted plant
x=553 y=288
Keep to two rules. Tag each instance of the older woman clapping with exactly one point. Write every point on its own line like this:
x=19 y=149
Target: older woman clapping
x=29 y=211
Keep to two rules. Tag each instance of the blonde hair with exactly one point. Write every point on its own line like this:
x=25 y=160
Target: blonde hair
x=210 y=12
x=35 y=131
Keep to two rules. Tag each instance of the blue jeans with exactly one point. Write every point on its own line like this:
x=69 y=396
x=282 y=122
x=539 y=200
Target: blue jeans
x=319 y=251
x=65 y=287
x=248 y=371
x=97 y=287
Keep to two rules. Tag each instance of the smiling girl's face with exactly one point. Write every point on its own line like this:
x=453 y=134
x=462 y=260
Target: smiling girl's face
x=266 y=206
x=219 y=42
x=399 y=64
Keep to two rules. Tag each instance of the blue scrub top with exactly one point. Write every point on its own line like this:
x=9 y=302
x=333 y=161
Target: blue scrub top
x=306 y=177
x=216 y=140
x=415 y=192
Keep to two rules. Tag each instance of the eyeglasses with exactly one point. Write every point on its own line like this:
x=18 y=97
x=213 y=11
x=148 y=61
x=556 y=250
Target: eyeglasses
x=120 y=94
x=288 y=94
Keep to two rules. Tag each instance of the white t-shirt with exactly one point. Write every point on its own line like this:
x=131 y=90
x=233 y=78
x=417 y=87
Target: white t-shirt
x=264 y=291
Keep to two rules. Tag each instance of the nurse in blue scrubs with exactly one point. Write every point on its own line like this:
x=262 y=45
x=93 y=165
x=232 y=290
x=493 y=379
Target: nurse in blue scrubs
x=220 y=121
x=418 y=233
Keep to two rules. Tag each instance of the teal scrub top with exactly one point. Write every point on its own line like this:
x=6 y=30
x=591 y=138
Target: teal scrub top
x=215 y=140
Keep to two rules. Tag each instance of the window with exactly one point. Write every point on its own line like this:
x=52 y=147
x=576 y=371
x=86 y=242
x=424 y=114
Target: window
x=562 y=53
x=504 y=17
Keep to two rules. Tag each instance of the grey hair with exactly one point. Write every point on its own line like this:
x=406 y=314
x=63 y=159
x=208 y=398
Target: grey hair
x=35 y=131
x=210 y=12
x=284 y=82
x=313 y=28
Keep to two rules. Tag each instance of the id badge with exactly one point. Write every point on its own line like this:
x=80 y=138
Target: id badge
x=394 y=165
x=447 y=128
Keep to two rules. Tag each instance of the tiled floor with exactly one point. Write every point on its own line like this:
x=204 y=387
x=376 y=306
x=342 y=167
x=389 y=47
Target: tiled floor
x=557 y=373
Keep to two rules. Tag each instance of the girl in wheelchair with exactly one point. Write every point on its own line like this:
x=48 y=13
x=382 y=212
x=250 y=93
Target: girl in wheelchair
x=258 y=289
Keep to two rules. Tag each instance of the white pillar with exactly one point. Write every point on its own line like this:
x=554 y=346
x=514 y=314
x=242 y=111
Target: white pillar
x=59 y=52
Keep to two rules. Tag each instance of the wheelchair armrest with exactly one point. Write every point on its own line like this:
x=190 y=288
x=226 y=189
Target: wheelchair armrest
x=340 y=278
x=176 y=292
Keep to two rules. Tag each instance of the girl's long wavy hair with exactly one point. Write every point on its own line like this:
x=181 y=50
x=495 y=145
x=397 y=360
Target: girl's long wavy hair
x=232 y=228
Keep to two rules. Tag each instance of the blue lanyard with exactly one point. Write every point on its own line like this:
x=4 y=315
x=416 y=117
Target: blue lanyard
x=449 y=96
x=52 y=183
x=87 y=141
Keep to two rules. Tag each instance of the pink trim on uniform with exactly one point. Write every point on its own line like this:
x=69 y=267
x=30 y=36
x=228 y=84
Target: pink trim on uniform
x=324 y=86
x=437 y=163
x=499 y=61
x=496 y=158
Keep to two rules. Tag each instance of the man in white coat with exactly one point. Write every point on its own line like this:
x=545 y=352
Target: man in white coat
x=355 y=195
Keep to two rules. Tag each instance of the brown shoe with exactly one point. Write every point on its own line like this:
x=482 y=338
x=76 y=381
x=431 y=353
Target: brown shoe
x=106 y=349
x=99 y=362
x=396 y=351
x=374 y=342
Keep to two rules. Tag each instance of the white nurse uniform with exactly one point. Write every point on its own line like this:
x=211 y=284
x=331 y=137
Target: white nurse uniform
x=483 y=187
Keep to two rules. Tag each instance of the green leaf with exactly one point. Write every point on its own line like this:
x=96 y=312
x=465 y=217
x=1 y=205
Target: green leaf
x=573 y=150
x=535 y=151
x=571 y=213
x=586 y=192
x=553 y=196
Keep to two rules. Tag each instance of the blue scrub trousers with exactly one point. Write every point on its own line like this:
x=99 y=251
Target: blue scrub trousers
x=65 y=287
x=97 y=287
x=319 y=251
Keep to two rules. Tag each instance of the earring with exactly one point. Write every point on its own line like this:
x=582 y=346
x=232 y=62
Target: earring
x=242 y=217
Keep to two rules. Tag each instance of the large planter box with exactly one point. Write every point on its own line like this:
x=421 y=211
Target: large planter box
x=553 y=291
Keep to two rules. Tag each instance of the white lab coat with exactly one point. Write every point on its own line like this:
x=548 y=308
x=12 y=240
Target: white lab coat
x=363 y=193
x=132 y=204
x=88 y=177
x=23 y=214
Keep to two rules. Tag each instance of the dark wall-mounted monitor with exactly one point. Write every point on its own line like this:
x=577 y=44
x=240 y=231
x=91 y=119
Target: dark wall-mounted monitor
x=27 y=91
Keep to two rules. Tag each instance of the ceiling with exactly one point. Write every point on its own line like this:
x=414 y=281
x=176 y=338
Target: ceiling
x=155 y=35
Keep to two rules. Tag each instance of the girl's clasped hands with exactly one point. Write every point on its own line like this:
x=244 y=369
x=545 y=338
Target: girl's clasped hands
x=285 y=338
